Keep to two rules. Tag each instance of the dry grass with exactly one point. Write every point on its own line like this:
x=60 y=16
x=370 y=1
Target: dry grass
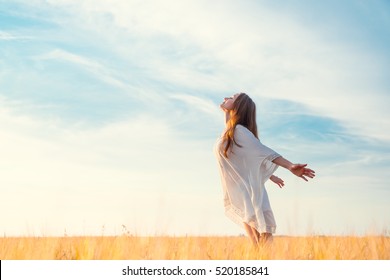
x=194 y=248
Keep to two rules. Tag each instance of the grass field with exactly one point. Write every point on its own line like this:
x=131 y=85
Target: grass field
x=194 y=248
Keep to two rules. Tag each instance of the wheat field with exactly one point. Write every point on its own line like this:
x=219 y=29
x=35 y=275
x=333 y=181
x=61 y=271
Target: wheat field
x=194 y=248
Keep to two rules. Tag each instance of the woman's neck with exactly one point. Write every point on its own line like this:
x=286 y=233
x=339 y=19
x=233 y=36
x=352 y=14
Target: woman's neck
x=227 y=117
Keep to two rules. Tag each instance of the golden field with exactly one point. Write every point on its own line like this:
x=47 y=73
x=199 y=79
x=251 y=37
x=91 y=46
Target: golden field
x=194 y=248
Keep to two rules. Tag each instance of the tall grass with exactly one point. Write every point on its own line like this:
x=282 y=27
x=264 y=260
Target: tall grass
x=194 y=248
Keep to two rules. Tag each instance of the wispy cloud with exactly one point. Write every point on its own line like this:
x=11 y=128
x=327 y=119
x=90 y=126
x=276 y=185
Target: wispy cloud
x=203 y=105
x=292 y=64
x=6 y=36
x=140 y=159
x=102 y=73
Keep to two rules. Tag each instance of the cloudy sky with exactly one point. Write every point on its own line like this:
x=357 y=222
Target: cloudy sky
x=109 y=113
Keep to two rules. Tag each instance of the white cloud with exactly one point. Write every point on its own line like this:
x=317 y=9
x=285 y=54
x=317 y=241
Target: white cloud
x=201 y=104
x=63 y=175
x=246 y=46
x=6 y=36
x=100 y=71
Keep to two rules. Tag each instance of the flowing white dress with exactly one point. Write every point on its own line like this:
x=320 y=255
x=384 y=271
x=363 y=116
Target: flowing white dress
x=243 y=175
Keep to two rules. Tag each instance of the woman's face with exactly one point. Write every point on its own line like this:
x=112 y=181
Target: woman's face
x=228 y=102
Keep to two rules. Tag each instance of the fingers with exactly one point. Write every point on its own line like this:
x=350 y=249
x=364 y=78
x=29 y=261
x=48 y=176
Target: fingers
x=309 y=173
x=304 y=178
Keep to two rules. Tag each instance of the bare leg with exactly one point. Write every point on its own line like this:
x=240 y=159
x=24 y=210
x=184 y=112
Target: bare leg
x=265 y=238
x=256 y=234
x=252 y=233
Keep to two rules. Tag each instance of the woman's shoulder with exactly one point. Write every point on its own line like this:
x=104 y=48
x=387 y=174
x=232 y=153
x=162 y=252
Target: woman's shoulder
x=243 y=131
x=241 y=128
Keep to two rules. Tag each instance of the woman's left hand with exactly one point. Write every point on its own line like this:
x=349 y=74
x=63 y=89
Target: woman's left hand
x=277 y=181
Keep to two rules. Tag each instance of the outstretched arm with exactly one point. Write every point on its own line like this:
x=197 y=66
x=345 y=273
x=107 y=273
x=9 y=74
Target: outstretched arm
x=298 y=169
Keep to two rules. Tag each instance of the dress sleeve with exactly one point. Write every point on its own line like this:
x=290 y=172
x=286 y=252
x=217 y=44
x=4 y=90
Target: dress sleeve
x=256 y=152
x=252 y=145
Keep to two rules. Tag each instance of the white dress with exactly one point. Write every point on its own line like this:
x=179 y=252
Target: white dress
x=243 y=175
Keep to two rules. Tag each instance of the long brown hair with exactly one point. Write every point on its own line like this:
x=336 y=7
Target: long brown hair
x=243 y=113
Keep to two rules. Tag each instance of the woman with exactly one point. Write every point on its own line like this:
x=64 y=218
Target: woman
x=245 y=164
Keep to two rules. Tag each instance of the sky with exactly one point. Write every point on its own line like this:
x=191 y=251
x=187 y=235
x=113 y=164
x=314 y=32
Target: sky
x=109 y=111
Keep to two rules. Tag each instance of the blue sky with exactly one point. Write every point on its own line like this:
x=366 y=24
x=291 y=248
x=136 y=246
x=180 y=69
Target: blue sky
x=109 y=113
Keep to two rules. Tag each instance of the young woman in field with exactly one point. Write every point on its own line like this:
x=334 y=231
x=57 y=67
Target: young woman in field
x=245 y=164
